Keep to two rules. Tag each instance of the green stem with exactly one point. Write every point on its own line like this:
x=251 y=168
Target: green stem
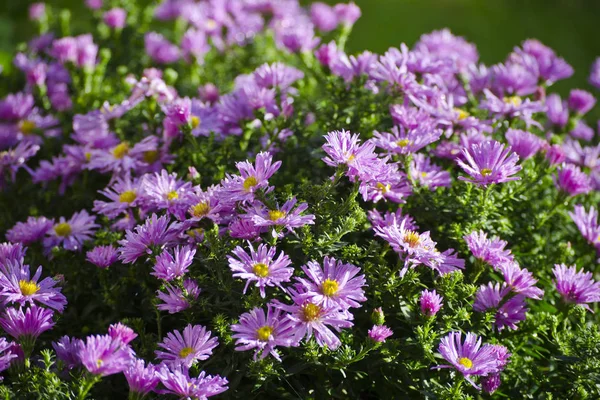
x=90 y=381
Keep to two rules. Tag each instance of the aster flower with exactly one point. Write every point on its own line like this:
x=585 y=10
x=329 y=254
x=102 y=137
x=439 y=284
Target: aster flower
x=242 y=228
x=103 y=256
x=383 y=181
x=430 y=302
x=72 y=233
x=208 y=204
x=286 y=216
x=556 y=110
x=524 y=143
x=576 y=287
x=406 y=141
x=379 y=333
x=572 y=180
x=489 y=162
x=142 y=379
x=427 y=174
x=115 y=18
x=276 y=75
x=520 y=280
x=587 y=223
x=470 y=358
x=15 y=158
x=443 y=44
x=582 y=131
x=102 y=355
x=489 y=296
x=7 y=354
x=67 y=350
x=177 y=381
x=123 y=196
x=261 y=266
x=153 y=234
x=18 y=286
x=335 y=285
x=252 y=178
x=26 y=326
x=490 y=383
x=344 y=148
x=164 y=191
x=121 y=332
x=195 y=344
x=256 y=330
x=511 y=313
x=581 y=101
x=170 y=266
x=487 y=250
x=175 y=299
x=29 y=231
x=160 y=49
x=389 y=218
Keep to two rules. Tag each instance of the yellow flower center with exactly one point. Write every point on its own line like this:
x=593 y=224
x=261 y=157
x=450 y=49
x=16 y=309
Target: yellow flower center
x=329 y=287
x=150 y=156
x=465 y=362
x=200 y=210
x=88 y=156
x=195 y=122
x=172 y=195
x=423 y=174
x=27 y=127
x=195 y=232
x=350 y=157
x=514 y=100
x=127 y=197
x=99 y=363
x=264 y=333
x=28 y=287
x=486 y=172
x=249 y=183
x=63 y=229
x=121 y=150
x=274 y=215
x=462 y=114
x=261 y=270
x=311 y=311
x=412 y=238
x=211 y=24
x=383 y=188
x=186 y=351
x=403 y=142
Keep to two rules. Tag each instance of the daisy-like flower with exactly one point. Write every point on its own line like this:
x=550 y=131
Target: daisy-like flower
x=576 y=287
x=470 y=358
x=103 y=256
x=286 y=216
x=195 y=344
x=242 y=228
x=164 y=191
x=260 y=266
x=276 y=75
x=29 y=325
x=121 y=332
x=142 y=379
x=587 y=223
x=406 y=141
x=102 y=355
x=18 y=286
x=147 y=238
x=489 y=162
x=72 y=233
x=511 y=313
x=256 y=330
x=490 y=251
x=123 y=196
x=383 y=181
x=489 y=296
x=335 y=285
x=524 y=143
x=572 y=180
x=252 y=177
x=427 y=174
x=581 y=101
x=67 y=350
x=379 y=333
x=170 y=266
x=7 y=354
x=311 y=319
x=177 y=381
x=430 y=302
x=344 y=148
x=175 y=299
x=206 y=204
x=520 y=280
x=29 y=231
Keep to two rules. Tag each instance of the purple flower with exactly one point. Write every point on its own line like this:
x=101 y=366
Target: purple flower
x=17 y=106
x=94 y=4
x=594 y=78
x=121 y=332
x=581 y=101
x=406 y=141
x=347 y=14
x=427 y=174
x=490 y=251
x=256 y=330
x=115 y=18
x=557 y=111
x=470 y=358
x=29 y=231
x=572 y=180
x=489 y=296
x=18 y=286
x=28 y=325
x=103 y=256
x=511 y=313
x=276 y=75
x=252 y=178
x=7 y=354
x=430 y=302
x=194 y=43
x=123 y=195
x=147 y=238
x=195 y=344
x=587 y=223
x=142 y=379
x=379 y=333
x=383 y=181
x=490 y=383
x=323 y=16
x=335 y=285
x=520 y=280
x=576 y=287
x=37 y=11
x=72 y=233
x=177 y=381
x=67 y=350
x=241 y=228
x=582 y=131
x=344 y=148
x=102 y=355
x=176 y=299
x=443 y=45
x=524 y=143
x=283 y=216
x=261 y=266
x=170 y=266
x=160 y=49
x=164 y=191
x=489 y=162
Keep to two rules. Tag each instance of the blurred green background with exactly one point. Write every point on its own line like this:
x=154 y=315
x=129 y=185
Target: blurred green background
x=571 y=27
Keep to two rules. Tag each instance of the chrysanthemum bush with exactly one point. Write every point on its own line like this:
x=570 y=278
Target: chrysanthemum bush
x=211 y=198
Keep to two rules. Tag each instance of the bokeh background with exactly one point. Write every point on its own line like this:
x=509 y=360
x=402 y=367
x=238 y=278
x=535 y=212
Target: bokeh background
x=571 y=27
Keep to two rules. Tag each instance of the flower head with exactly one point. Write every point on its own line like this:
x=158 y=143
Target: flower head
x=142 y=379
x=379 y=333
x=177 y=381
x=170 y=266
x=176 y=299
x=26 y=325
x=490 y=251
x=489 y=162
x=30 y=231
x=576 y=286
x=286 y=216
x=581 y=101
x=67 y=350
x=524 y=143
x=103 y=355
x=72 y=233
x=431 y=302
x=147 y=238
x=195 y=344
x=572 y=180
